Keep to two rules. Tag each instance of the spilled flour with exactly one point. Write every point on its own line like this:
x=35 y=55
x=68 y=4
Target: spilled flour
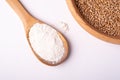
x=64 y=26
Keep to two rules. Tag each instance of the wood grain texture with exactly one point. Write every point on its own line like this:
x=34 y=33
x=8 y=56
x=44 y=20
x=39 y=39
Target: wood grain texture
x=72 y=7
x=28 y=21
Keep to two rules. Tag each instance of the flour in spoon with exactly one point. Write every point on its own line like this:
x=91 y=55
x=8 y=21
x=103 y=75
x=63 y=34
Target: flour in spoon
x=46 y=42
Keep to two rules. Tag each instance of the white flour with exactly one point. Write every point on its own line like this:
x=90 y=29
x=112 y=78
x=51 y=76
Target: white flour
x=64 y=26
x=46 y=42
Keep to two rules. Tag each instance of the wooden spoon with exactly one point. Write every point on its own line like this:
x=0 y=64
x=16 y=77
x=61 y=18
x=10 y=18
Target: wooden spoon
x=28 y=22
x=79 y=18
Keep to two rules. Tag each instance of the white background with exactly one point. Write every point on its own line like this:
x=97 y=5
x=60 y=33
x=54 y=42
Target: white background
x=90 y=58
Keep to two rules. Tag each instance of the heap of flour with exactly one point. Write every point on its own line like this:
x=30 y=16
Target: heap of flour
x=46 y=42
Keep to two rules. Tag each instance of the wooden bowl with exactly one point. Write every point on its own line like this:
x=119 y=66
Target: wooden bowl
x=81 y=21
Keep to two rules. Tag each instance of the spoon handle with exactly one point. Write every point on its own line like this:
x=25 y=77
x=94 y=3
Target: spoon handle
x=21 y=11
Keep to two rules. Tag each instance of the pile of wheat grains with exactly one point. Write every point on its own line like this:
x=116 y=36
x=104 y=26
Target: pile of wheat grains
x=102 y=15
